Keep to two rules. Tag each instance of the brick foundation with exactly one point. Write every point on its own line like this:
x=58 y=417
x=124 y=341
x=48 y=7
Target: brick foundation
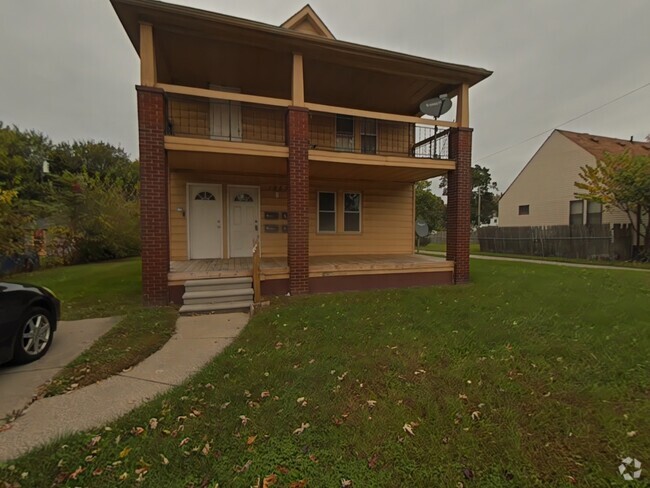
x=459 y=201
x=154 y=229
x=298 y=172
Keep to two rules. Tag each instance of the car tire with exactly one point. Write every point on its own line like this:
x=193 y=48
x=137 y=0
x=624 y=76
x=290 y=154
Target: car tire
x=34 y=336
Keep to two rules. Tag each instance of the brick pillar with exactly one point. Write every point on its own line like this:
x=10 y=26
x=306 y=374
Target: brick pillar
x=298 y=172
x=459 y=201
x=154 y=227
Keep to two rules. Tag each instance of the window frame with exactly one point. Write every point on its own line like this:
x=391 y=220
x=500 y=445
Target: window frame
x=351 y=134
x=364 y=132
x=318 y=212
x=582 y=211
x=599 y=213
x=522 y=207
x=359 y=212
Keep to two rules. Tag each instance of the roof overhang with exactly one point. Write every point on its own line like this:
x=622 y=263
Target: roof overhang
x=408 y=79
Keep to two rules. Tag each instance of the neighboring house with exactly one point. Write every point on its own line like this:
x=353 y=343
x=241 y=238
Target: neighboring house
x=544 y=191
x=287 y=142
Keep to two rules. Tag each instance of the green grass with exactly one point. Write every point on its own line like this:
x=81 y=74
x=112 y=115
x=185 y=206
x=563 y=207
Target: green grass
x=553 y=363
x=138 y=335
x=476 y=249
x=91 y=290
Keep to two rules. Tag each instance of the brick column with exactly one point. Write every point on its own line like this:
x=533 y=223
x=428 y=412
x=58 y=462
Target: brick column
x=154 y=227
x=459 y=201
x=298 y=173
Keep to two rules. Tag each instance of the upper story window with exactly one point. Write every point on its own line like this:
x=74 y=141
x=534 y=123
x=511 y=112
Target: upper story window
x=344 y=133
x=524 y=209
x=594 y=213
x=576 y=211
x=326 y=211
x=352 y=212
x=368 y=136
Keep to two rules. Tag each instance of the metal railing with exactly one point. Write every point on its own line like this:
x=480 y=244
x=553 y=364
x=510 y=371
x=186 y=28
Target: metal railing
x=224 y=120
x=331 y=132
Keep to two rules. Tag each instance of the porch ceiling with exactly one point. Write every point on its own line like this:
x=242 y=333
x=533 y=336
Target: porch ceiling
x=341 y=171
x=197 y=47
x=227 y=163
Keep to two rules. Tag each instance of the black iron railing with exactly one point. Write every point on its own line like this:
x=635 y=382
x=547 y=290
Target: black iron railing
x=225 y=120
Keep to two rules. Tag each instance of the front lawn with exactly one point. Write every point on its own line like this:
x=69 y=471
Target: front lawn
x=530 y=376
x=91 y=290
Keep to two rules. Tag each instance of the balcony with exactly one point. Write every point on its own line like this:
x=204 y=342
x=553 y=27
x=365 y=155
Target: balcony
x=245 y=122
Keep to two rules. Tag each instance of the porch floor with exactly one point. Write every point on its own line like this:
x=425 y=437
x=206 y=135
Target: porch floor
x=319 y=266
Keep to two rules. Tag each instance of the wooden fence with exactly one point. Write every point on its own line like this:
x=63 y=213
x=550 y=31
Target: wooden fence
x=566 y=241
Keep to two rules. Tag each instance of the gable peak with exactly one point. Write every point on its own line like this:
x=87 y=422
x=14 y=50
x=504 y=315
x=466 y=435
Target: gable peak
x=307 y=21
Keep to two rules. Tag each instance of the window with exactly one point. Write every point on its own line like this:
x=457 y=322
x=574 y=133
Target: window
x=352 y=212
x=524 y=209
x=594 y=213
x=243 y=197
x=204 y=195
x=344 y=133
x=368 y=136
x=326 y=211
x=576 y=209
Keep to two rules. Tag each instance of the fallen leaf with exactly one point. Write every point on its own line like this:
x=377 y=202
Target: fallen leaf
x=301 y=429
x=265 y=394
x=98 y=471
x=224 y=405
x=153 y=423
x=342 y=376
x=164 y=460
x=298 y=484
x=95 y=440
x=137 y=431
x=76 y=472
x=184 y=441
x=195 y=412
x=250 y=440
x=408 y=428
x=125 y=452
x=372 y=461
x=631 y=433
x=345 y=483
x=313 y=458
x=244 y=419
x=269 y=480
x=462 y=396
x=372 y=403
x=476 y=415
x=468 y=473
x=206 y=449
x=124 y=476
x=244 y=468
x=282 y=469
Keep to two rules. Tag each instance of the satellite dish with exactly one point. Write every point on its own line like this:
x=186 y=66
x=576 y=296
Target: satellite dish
x=436 y=106
x=421 y=228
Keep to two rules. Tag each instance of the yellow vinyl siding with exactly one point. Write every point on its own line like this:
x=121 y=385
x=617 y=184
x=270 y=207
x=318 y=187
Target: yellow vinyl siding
x=386 y=215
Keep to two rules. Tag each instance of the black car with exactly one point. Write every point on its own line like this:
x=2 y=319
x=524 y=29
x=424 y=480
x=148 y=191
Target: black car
x=28 y=319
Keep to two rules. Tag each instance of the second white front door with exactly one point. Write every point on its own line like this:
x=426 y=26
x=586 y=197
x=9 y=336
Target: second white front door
x=205 y=216
x=243 y=219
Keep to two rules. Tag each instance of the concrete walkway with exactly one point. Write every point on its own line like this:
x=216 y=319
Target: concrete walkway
x=18 y=384
x=197 y=340
x=543 y=261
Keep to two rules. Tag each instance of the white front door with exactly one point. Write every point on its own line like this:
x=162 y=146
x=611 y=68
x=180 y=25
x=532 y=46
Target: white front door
x=204 y=226
x=243 y=221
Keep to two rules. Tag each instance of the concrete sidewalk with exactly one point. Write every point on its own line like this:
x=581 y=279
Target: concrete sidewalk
x=543 y=261
x=18 y=384
x=197 y=340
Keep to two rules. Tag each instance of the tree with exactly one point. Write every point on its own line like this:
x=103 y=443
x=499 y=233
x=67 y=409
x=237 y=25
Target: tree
x=620 y=181
x=484 y=194
x=429 y=208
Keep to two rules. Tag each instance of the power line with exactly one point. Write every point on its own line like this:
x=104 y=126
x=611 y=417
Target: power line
x=564 y=123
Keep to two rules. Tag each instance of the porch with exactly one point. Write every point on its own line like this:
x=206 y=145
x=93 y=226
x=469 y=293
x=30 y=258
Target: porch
x=326 y=273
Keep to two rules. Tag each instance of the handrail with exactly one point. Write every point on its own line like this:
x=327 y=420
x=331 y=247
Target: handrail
x=257 y=295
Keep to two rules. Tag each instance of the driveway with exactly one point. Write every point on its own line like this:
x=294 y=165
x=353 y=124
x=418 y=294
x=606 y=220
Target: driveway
x=18 y=384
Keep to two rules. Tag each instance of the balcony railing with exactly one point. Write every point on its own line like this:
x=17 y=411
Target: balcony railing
x=330 y=132
x=225 y=120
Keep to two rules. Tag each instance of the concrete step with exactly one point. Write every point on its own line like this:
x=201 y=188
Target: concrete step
x=227 y=307
x=219 y=296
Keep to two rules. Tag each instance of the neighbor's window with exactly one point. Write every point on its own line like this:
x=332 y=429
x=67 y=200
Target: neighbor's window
x=326 y=211
x=594 y=213
x=352 y=212
x=576 y=211
x=368 y=136
x=344 y=133
x=524 y=209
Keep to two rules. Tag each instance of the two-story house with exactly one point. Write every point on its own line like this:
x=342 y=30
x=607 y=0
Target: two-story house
x=281 y=160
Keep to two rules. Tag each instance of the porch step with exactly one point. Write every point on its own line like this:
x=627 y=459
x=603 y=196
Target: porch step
x=217 y=284
x=225 y=307
x=217 y=296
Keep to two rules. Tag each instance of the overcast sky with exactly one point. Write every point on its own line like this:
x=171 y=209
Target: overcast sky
x=68 y=69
